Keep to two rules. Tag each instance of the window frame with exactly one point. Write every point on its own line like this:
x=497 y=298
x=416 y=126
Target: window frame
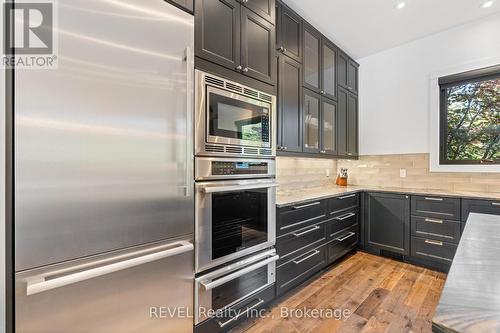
x=445 y=82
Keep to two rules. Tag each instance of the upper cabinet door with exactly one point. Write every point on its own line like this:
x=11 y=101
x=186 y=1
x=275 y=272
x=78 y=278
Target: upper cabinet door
x=343 y=68
x=352 y=77
x=310 y=118
x=312 y=44
x=257 y=47
x=263 y=8
x=352 y=125
x=217 y=31
x=188 y=5
x=328 y=127
x=289 y=33
x=328 y=70
x=289 y=105
x=342 y=122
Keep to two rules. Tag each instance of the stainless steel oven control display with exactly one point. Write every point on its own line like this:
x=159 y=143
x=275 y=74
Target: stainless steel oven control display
x=208 y=168
x=232 y=119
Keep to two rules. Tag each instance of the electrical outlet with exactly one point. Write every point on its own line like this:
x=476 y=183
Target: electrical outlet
x=402 y=173
x=327 y=172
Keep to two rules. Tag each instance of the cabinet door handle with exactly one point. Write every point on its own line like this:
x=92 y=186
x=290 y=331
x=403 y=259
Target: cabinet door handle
x=322 y=151
x=434 y=221
x=433 y=199
x=239 y=68
x=347 y=196
x=260 y=301
x=282 y=49
x=298 y=234
x=495 y=203
x=349 y=235
x=315 y=252
x=322 y=92
x=345 y=217
x=245 y=69
x=244 y=1
x=308 y=205
x=434 y=242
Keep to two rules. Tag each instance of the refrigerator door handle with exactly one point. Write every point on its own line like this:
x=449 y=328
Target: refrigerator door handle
x=39 y=284
x=189 y=112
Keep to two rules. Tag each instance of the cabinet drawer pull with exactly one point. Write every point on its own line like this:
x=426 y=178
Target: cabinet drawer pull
x=434 y=221
x=347 y=196
x=296 y=262
x=349 y=235
x=260 y=301
x=345 y=217
x=433 y=199
x=308 y=205
x=434 y=242
x=495 y=203
x=298 y=234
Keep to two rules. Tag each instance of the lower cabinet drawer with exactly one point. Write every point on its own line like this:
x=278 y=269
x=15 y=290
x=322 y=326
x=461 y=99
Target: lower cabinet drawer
x=438 y=229
x=236 y=313
x=290 y=244
x=343 y=242
x=340 y=222
x=433 y=250
x=298 y=269
x=479 y=206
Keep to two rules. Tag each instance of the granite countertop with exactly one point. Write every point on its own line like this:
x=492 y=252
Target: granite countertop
x=470 y=301
x=303 y=195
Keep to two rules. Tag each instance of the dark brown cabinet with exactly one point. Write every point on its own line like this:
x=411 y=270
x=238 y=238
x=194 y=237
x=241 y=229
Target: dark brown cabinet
x=311 y=118
x=257 y=47
x=320 y=63
x=387 y=222
x=347 y=124
x=233 y=36
x=328 y=69
x=217 y=31
x=352 y=125
x=312 y=58
x=263 y=8
x=347 y=73
x=328 y=121
x=319 y=124
x=289 y=105
x=289 y=27
x=188 y=5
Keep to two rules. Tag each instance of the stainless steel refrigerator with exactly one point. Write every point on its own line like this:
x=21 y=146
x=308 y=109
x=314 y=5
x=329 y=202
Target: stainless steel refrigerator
x=103 y=173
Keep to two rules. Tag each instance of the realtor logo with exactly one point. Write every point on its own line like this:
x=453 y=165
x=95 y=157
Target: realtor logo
x=30 y=38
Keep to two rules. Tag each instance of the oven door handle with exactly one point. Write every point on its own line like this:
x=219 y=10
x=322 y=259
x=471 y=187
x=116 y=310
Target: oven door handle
x=237 y=274
x=229 y=188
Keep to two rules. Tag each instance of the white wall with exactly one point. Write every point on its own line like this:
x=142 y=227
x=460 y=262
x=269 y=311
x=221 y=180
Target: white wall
x=395 y=84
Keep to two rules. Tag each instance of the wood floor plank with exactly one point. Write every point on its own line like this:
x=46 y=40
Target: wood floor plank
x=379 y=295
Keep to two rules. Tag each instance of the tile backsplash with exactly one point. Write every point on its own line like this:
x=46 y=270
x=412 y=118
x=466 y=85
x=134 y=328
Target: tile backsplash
x=299 y=173
x=380 y=170
x=384 y=170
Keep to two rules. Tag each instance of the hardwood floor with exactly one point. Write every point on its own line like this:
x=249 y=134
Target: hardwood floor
x=382 y=295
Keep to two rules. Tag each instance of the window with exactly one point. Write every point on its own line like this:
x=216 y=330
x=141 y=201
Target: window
x=470 y=117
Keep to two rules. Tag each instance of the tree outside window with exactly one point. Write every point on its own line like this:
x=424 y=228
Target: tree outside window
x=470 y=117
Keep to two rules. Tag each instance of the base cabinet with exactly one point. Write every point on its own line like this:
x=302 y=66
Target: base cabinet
x=387 y=222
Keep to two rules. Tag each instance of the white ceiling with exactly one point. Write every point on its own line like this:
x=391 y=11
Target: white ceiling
x=365 y=27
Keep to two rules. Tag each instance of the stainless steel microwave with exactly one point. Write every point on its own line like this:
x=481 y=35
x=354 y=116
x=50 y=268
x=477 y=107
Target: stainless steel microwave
x=232 y=119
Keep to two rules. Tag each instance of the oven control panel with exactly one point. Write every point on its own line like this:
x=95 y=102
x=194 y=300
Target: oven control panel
x=226 y=168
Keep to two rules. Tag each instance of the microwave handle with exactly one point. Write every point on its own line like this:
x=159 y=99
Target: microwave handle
x=237 y=274
x=215 y=189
